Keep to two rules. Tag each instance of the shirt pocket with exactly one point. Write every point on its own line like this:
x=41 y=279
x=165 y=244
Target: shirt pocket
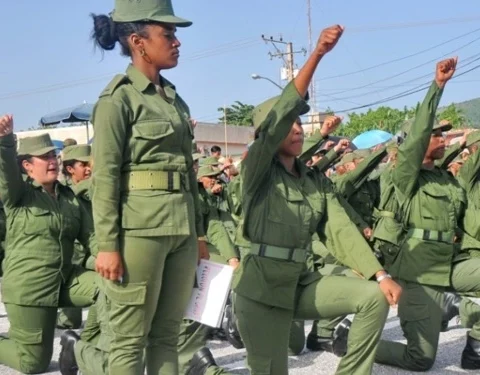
x=38 y=220
x=148 y=138
x=434 y=203
x=285 y=209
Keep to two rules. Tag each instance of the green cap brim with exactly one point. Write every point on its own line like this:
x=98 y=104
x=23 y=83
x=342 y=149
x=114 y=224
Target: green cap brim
x=177 y=21
x=41 y=151
x=211 y=174
x=85 y=159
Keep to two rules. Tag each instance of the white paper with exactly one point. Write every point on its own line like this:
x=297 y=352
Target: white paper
x=208 y=301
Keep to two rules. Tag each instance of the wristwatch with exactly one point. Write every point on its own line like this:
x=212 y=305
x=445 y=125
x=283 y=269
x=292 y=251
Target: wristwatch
x=383 y=277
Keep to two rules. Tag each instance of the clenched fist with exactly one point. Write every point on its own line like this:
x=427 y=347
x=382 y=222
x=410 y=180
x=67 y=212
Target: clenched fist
x=6 y=125
x=445 y=70
x=330 y=124
x=328 y=39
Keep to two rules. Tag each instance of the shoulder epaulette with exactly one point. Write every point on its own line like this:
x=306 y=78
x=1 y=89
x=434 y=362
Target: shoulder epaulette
x=115 y=83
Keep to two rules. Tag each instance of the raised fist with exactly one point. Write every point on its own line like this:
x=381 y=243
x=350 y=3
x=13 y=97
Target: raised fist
x=342 y=145
x=328 y=39
x=6 y=125
x=445 y=70
x=330 y=124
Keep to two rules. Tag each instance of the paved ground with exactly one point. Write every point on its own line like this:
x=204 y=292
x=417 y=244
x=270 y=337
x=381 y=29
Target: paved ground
x=309 y=363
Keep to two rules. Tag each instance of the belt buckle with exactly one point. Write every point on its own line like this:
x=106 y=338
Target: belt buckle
x=426 y=235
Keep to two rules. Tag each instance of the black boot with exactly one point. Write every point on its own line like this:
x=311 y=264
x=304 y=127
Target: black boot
x=201 y=360
x=66 y=361
x=451 y=308
x=231 y=329
x=319 y=344
x=471 y=354
x=340 y=338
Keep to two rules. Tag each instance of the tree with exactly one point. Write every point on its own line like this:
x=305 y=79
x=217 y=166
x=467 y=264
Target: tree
x=238 y=114
x=454 y=115
x=382 y=118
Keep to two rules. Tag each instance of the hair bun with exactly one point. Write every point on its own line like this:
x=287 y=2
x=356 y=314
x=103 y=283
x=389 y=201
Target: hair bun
x=104 y=33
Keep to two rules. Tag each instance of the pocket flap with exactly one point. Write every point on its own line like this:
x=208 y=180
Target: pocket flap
x=26 y=336
x=132 y=294
x=39 y=211
x=152 y=129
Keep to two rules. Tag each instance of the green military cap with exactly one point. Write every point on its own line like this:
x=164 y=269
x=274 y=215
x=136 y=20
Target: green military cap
x=208 y=171
x=211 y=160
x=347 y=158
x=35 y=146
x=69 y=142
x=362 y=153
x=78 y=152
x=261 y=111
x=443 y=125
x=147 y=10
x=197 y=156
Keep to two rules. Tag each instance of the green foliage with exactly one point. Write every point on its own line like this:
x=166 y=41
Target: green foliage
x=454 y=115
x=237 y=114
x=382 y=118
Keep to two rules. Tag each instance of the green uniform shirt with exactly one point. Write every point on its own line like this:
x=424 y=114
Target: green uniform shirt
x=283 y=210
x=41 y=234
x=427 y=199
x=136 y=129
x=218 y=238
x=468 y=178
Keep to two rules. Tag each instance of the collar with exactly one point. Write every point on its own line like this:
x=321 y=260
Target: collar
x=142 y=83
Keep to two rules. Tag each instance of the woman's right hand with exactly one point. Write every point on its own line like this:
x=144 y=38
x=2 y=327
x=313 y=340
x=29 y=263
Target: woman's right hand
x=6 y=125
x=109 y=265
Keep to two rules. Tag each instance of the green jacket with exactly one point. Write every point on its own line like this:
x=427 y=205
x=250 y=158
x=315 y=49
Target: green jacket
x=136 y=129
x=285 y=211
x=41 y=234
x=428 y=200
x=469 y=179
x=218 y=238
x=362 y=193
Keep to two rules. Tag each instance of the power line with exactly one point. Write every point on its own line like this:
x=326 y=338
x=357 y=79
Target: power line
x=419 y=88
x=400 y=74
x=400 y=58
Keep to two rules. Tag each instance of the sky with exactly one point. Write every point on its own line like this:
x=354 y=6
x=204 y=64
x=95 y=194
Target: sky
x=48 y=61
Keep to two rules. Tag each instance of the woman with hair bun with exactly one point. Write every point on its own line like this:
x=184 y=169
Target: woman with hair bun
x=145 y=198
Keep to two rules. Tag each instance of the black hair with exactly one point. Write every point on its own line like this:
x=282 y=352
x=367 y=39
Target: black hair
x=215 y=148
x=68 y=163
x=20 y=160
x=106 y=32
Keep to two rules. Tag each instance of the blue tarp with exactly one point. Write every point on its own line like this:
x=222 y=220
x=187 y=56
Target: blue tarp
x=82 y=112
x=371 y=138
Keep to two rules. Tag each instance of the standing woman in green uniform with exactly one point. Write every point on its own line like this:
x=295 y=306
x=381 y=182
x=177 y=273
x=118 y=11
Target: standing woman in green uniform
x=285 y=203
x=44 y=218
x=145 y=194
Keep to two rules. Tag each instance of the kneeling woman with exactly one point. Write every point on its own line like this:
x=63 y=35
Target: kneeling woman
x=44 y=218
x=285 y=203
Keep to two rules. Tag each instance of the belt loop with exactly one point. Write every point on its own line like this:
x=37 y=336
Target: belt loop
x=290 y=254
x=261 y=250
x=426 y=235
x=440 y=236
x=170 y=183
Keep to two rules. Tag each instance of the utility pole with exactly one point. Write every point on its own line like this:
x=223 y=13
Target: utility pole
x=310 y=49
x=289 y=64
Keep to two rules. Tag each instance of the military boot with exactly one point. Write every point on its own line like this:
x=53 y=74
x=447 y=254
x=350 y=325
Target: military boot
x=336 y=344
x=201 y=361
x=451 y=308
x=67 y=361
x=231 y=329
x=471 y=354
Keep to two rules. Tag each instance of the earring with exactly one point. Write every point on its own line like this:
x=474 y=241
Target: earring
x=142 y=53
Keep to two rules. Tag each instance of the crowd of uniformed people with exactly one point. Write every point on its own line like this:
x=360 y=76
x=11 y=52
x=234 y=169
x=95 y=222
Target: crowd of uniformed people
x=314 y=228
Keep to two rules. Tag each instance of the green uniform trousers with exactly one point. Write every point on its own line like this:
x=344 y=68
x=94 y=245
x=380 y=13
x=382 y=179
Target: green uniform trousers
x=420 y=313
x=265 y=329
x=146 y=310
x=29 y=347
x=193 y=337
x=322 y=327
